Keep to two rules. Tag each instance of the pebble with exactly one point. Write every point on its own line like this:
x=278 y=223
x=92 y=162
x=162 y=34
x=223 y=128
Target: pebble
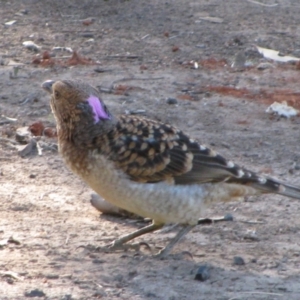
x=201 y=46
x=86 y=34
x=202 y=273
x=172 y=101
x=98 y=261
x=297 y=167
x=9 y=23
x=238 y=261
x=228 y=217
x=100 y=294
x=52 y=276
x=35 y=293
x=28 y=149
x=30 y=45
x=23 y=135
x=67 y=297
x=264 y=65
x=239 y=61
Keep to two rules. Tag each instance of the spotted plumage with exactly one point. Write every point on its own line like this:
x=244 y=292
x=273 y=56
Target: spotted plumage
x=146 y=167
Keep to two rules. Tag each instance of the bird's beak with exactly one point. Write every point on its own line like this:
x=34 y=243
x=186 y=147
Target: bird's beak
x=47 y=85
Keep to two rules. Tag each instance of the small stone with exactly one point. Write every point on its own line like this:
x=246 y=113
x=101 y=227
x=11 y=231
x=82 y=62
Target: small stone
x=201 y=46
x=9 y=23
x=264 y=66
x=67 y=297
x=86 y=34
x=239 y=61
x=225 y=145
x=98 y=261
x=100 y=294
x=172 y=101
x=30 y=45
x=10 y=281
x=23 y=135
x=52 y=276
x=32 y=176
x=35 y=293
x=228 y=217
x=202 y=273
x=28 y=149
x=297 y=167
x=238 y=261
x=24 y=11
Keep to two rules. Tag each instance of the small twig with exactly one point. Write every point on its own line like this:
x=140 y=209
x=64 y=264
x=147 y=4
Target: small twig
x=67 y=239
x=39 y=149
x=97 y=284
x=262 y=4
x=5 y=158
x=123 y=56
x=9 y=119
x=10 y=274
x=6 y=140
x=251 y=222
x=102 y=286
x=135 y=78
x=257 y=293
x=145 y=36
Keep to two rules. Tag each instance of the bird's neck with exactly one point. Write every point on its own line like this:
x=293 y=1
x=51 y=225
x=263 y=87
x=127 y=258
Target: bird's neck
x=84 y=134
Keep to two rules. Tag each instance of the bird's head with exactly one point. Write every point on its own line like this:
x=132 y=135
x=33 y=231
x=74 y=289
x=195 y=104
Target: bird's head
x=77 y=107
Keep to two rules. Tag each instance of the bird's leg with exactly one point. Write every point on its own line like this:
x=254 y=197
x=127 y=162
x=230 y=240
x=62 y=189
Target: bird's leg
x=119 y=243
x=165 y=251
x=205 y=221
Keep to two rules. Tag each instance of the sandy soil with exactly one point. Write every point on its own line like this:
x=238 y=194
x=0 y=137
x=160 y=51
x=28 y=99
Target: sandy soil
x=139 y=54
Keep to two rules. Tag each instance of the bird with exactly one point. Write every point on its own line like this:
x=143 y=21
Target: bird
x=147 y=167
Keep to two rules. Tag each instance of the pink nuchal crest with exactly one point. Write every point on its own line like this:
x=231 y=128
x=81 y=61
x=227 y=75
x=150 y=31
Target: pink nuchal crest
x=98 y=109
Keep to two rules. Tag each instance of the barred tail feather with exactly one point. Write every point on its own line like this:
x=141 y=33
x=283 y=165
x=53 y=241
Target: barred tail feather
x=277 y=187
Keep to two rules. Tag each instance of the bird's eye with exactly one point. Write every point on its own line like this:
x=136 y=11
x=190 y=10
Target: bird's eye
x=56 y=94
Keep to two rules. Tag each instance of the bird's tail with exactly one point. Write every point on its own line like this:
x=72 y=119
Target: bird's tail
x=269 y=185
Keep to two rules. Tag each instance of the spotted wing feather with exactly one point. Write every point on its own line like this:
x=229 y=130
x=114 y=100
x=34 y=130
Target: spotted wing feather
x=150 y=151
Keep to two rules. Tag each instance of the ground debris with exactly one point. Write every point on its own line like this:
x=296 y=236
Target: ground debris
x=10 y=274
x=10 y=240
x=23 y=135
x=34 y=293
x=275 y=55
x=202 y=273
x=238 y=261
x=30 y=45
x=282 y=109
x=29 y=148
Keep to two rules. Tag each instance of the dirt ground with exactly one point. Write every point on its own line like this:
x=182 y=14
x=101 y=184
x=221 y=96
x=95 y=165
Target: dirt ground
x=140 y=54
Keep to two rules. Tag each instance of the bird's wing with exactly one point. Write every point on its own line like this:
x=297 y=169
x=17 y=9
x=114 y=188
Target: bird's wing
x=149 y=151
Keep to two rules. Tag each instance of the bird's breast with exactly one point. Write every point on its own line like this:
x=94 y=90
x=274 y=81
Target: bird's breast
x=162 y=202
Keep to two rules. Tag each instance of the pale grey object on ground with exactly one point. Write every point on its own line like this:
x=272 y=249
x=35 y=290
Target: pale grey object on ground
x=108 y=208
